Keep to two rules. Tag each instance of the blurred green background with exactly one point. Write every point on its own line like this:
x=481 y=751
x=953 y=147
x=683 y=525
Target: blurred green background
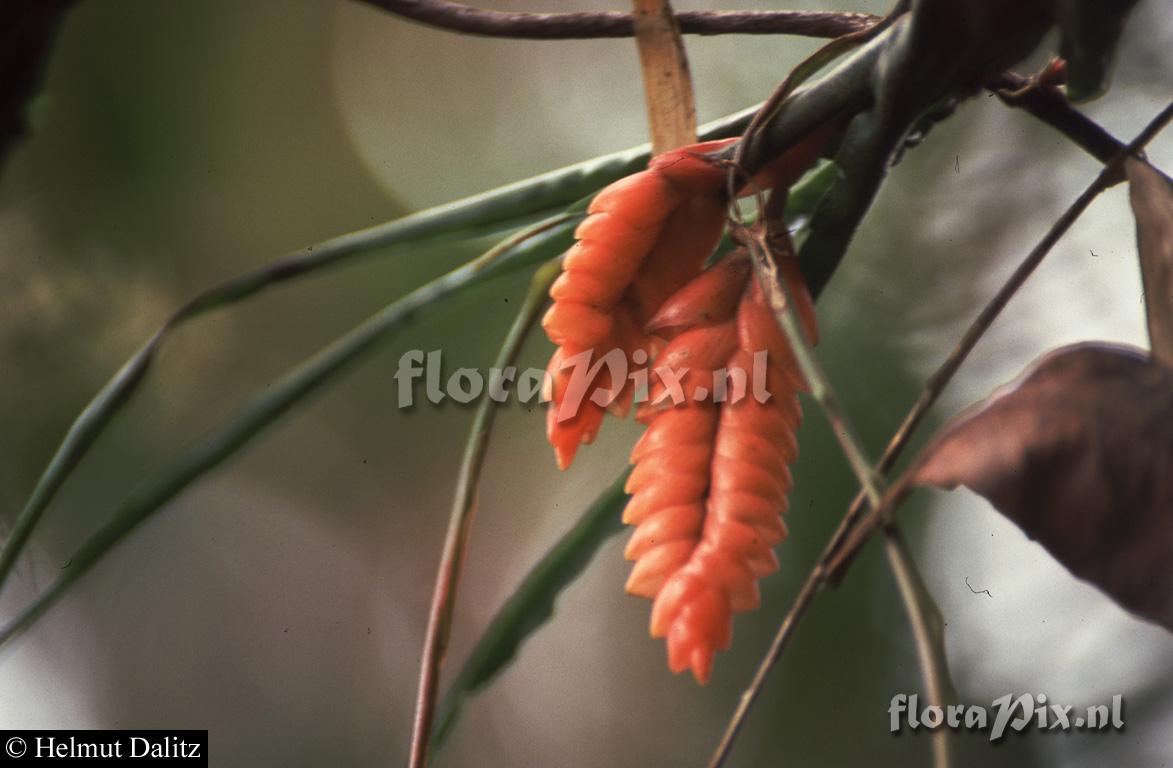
x=281 y=602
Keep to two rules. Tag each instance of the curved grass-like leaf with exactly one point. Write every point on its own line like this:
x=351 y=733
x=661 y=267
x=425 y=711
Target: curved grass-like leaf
x=460 y=518
x=532 y=604
x=495 y=210
x=537 y=244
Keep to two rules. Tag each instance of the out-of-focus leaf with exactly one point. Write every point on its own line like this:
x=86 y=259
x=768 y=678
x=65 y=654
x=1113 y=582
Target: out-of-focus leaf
x=532 y=604
x=1091 y=29
x=27 y=29
x=464 y=505
x=667 y=83
x=467 y=217
x=279 y=399
x=479 y=215
x=1078 y=453
x=1152 y=205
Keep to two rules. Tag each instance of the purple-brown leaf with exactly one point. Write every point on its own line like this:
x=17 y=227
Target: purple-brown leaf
x=1078 y=453
x=1152 y=205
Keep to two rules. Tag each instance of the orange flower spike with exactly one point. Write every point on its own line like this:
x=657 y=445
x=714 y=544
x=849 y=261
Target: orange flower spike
x=644 y=237
x=711 y=479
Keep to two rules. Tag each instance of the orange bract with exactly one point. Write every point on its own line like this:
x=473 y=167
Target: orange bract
x=711 y=478
x=645 y=236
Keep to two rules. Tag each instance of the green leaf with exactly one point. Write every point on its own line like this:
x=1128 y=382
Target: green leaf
x=532 y=604
x=482 y=214
x=538 y=244
x=804 y=196
x=464 y=505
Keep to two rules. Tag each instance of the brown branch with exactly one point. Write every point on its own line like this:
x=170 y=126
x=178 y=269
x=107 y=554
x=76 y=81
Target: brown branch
x=458 y=17
x=1111 y=174
x=1047 y=103
x=848 y=538
x=1043 y=102
x=923 y=615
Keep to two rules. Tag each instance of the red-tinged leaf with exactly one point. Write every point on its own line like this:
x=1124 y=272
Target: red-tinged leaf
x=1078 y=453
x=1152 y=205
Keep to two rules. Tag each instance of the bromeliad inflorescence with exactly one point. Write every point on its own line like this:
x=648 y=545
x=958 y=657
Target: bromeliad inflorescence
x=711 y=478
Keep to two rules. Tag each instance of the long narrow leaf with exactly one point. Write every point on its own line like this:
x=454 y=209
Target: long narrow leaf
x=460 y=520
x=532 y=604
x=277 y=401
x=476 y=215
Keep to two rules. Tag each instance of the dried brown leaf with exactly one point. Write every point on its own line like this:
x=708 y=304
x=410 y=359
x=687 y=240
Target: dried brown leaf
x=1152 y=205
x=1079 y=453
x=667 y=83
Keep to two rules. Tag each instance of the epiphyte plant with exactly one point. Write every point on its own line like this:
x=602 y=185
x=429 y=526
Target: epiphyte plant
x=651 y=273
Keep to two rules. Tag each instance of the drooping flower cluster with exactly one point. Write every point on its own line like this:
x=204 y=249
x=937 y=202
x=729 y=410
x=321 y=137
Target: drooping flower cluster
x=711 y=476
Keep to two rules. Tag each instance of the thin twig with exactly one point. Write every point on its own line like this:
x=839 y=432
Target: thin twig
x=460 y=522
x=781 y=301
x=836 y=550
x=923 y=614
x=1046 y=103
x=928 y=631
x=466 y=19
x=774 y=289
x=1109 y=175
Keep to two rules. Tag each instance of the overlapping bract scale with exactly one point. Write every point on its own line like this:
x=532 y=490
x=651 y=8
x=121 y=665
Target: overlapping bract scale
x=711 y=478
x=644 y=237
